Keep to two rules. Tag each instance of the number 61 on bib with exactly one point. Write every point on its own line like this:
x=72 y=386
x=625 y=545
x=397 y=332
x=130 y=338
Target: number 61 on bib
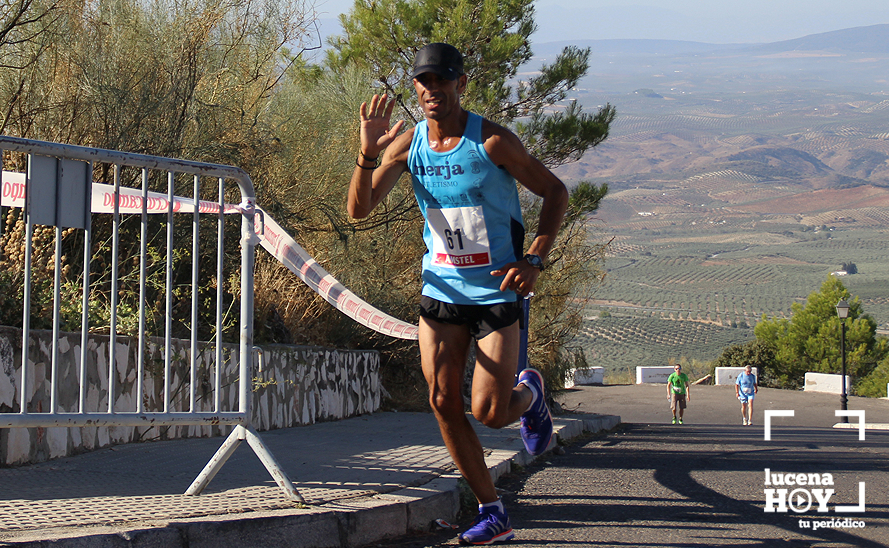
x=459 y=237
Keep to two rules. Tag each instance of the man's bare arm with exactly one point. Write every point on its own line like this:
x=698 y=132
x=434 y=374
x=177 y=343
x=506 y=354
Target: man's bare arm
x=506 y=150
x=370 y=184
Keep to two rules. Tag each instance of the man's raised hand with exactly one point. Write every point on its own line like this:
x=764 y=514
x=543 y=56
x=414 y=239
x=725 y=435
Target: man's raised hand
x=376 y=134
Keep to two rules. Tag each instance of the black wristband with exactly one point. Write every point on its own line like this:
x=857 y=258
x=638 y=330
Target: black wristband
x=363 y=167
x=374 y=159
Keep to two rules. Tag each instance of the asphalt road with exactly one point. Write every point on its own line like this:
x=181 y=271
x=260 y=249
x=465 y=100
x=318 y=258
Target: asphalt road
x=703 y=483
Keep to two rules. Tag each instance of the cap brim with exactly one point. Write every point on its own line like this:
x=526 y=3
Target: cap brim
x=446 y=73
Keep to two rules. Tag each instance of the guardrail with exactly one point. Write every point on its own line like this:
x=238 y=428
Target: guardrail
x=58 y=190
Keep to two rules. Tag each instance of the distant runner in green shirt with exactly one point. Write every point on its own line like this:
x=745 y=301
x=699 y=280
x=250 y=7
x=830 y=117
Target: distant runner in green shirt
x=677 y=391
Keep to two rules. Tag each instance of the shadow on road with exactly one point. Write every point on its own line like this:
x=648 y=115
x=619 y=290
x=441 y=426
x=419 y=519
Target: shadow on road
x=698 y=486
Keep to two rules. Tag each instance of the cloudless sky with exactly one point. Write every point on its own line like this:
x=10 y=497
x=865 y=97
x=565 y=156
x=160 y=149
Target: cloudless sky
x=714 y=21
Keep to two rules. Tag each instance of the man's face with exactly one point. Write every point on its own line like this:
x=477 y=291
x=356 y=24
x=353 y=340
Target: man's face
x=438 y=96
x=677 y=369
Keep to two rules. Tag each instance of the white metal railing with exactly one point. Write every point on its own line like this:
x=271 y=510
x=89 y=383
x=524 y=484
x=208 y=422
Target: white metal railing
x=58 y=190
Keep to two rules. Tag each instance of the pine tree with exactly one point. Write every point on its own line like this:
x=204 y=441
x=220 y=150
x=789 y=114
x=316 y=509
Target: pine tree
x=382 y=37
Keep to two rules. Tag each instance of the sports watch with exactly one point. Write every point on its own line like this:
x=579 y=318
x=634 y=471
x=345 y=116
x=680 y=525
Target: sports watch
x=534 y=260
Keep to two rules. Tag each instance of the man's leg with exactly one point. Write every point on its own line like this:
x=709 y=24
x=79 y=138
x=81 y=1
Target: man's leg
x=750 y=412
x=444 y=349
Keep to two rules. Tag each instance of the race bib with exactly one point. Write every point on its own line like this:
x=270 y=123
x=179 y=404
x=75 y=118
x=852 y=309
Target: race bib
x=459 y=237
x=748 y=390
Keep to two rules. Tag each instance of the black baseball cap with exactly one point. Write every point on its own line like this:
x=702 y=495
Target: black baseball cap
x=442 y=59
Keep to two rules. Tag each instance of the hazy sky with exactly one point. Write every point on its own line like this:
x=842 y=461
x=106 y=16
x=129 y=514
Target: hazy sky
x=715 y=21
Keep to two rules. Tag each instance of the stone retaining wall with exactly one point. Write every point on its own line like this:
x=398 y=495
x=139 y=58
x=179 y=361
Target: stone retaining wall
x=298 y=385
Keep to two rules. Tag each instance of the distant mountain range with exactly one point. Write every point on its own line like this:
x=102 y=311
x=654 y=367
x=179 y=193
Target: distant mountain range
x=870 y=39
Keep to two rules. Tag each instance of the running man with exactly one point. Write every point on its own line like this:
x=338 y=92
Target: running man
x=463 y=170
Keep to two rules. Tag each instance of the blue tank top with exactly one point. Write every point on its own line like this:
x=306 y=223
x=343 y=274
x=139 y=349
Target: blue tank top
x=473 y=218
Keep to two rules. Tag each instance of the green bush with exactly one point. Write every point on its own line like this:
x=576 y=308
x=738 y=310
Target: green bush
x=874 y=384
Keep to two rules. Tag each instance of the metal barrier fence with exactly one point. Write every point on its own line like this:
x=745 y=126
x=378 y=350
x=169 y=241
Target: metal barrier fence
x=57 y=190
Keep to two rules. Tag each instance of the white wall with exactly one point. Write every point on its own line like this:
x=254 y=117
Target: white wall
x=299 y=385
x=826 y=382
x=653 y=374
x=591 y=375
x=728 y=375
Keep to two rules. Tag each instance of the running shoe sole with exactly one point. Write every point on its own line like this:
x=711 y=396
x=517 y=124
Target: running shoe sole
x=502 y=537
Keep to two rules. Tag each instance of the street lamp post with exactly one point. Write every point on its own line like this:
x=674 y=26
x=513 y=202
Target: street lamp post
x=843 y=313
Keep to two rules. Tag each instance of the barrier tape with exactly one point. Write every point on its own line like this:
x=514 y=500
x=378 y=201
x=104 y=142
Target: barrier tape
x=284 y=248
x=271 y=236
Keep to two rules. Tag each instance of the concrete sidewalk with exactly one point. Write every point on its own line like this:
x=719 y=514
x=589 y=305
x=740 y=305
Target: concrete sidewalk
x=364 y=479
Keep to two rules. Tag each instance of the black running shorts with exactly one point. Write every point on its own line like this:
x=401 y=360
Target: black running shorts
x=482 y=319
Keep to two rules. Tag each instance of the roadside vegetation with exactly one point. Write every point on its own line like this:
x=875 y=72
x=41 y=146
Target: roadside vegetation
x=230 y=83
